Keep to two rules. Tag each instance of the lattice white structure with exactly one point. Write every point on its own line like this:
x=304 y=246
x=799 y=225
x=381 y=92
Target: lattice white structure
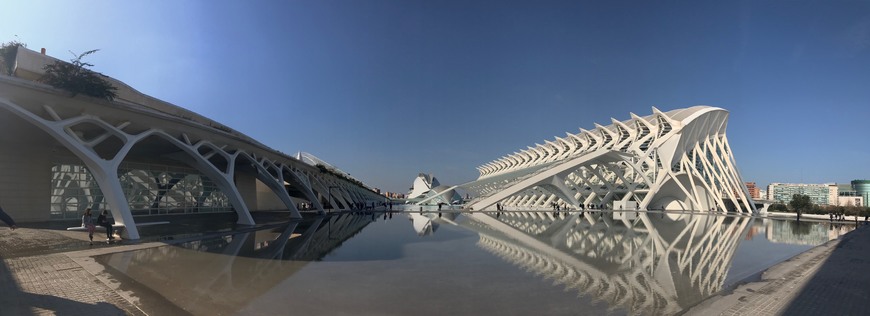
x=675 y=160
x=46 y=125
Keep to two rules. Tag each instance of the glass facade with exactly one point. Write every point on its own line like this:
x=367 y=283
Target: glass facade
x=862 y=187
x=150 y=190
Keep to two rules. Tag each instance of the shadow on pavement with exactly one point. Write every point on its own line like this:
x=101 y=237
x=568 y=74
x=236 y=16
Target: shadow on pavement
x=16 y=302
x=841 y=286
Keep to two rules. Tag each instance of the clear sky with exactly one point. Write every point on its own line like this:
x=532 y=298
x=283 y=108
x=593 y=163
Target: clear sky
x=388 y=89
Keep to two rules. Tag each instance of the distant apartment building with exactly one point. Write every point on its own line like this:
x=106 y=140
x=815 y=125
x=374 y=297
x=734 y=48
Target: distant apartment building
x=394 y=195
x=753 y=190
x=819 y=194
x=856 y=193
x=855 y=200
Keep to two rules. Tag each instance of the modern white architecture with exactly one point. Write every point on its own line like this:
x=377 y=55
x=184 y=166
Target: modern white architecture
x=675 y=160
x=138 y=156
x=427 y=190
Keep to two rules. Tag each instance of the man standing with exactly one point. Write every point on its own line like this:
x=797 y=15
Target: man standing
x=106 y=222
x=6 y=219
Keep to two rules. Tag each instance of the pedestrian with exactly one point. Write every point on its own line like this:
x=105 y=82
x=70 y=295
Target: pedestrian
x=88 y=224
x=106 y=222
x=7 y=219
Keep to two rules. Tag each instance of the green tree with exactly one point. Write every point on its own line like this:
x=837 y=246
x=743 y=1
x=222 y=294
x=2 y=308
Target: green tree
x=8 y=51
x=778 y=207
x=75 y=77
x=800 y=203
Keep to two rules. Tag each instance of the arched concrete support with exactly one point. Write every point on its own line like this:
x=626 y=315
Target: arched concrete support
x=293 y=178
x=342 y=190
x=223 y=179
x=338 y=192
x=598 y=156
x=269 y=180
x=105 y=171
x=111 y=129
x=557 y=186
x=354 y=194
x=318 y=186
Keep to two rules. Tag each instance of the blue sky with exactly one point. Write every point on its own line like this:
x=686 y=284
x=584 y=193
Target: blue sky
x=387 y=89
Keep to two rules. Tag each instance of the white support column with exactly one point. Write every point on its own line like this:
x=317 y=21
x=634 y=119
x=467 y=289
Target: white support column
x=275 y=184
x=105 y=171
x=223 y=179
x=303 y=185
x=558 y=187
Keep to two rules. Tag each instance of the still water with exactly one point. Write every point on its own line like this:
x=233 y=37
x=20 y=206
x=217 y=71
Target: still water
x=430 y=263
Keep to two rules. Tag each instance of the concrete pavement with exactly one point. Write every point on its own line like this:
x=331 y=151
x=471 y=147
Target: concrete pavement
x=831 y=279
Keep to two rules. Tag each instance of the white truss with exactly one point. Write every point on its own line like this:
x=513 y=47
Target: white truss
x=80 y=126
x=677 y=160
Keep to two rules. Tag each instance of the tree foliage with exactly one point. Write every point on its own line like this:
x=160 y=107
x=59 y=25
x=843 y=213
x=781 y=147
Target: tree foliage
x=778 y=207
x=340 y=175
x=8 y=51
x=800 y=203
x=75 y=77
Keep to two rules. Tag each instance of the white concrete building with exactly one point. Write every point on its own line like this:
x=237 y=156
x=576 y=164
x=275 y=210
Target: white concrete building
x=427 y=190
x=139 y=156
x=676 y=160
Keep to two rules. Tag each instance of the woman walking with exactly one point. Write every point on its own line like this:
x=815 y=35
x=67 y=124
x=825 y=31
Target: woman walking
x=88 y=223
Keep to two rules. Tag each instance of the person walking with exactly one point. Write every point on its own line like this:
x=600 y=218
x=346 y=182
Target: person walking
x=7 y=219
x=88 y=224
x=104 y=221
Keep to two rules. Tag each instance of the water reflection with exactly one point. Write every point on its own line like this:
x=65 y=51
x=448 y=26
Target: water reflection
x=426 y=223
x=222 y=275
x=805 y=233
x=648 y=265
x=644 y=263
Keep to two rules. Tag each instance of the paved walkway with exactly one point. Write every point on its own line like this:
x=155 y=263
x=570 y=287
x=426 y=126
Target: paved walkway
x=47 y=270
x=39 y=276
x=831 y=279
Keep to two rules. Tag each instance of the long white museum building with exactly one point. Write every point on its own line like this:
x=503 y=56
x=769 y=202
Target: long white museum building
x=139 y=156
x=678 y=160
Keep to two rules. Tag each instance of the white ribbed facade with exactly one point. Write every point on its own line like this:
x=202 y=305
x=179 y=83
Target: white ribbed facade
x=137 y=155
x=676 y=160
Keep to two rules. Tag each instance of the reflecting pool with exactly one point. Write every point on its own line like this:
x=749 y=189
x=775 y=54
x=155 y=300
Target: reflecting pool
x=436 y=263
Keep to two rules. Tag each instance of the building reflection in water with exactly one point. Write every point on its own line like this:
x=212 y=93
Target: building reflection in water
x=649 y=265
x=223 y=275
x=427 y=223
x=805 y=233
